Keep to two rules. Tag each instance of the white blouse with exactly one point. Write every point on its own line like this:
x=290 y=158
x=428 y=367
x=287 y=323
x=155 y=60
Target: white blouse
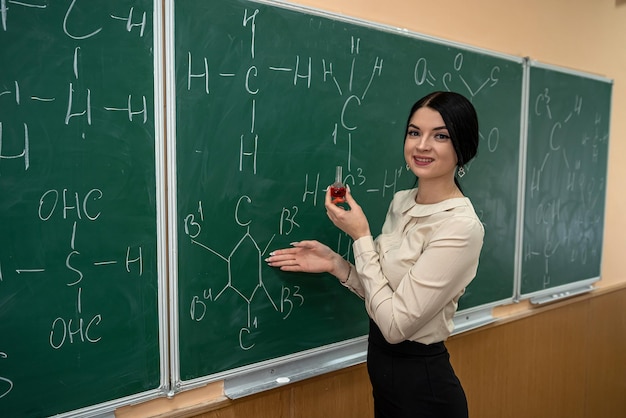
x=412 y=276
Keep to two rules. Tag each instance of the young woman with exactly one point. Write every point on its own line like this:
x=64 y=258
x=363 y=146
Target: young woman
x=413 y=274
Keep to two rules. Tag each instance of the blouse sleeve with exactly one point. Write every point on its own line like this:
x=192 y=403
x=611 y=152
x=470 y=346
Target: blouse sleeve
x=353 y=283
x=445 y=267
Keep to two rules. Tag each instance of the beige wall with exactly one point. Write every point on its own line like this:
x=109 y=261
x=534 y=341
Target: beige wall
x=586 y=35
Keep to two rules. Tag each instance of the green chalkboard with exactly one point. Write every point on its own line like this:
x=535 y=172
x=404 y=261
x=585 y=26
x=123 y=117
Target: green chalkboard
x=79 y=317
x=268 y=100
x=567 y=152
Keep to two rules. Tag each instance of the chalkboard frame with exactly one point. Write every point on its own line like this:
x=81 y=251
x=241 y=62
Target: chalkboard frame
x=265 y=375
x=551 y=293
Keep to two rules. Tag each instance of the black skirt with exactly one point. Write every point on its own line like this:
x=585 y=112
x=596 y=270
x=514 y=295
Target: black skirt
x=413 y=380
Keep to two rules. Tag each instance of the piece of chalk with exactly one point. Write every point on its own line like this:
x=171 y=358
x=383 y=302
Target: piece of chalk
x=282 y=380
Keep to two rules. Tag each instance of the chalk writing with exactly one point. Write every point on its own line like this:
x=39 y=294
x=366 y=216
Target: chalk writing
x=68 y=205
x=7 y=384
x=246 y=287
x=80 y=102
x=75 y=329
x=423 y=74
x=565 y=210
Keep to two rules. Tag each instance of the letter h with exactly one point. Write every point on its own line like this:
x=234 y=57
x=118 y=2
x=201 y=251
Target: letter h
x=25 y=153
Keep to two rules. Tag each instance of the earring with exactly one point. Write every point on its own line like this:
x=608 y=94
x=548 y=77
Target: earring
x=461 y=171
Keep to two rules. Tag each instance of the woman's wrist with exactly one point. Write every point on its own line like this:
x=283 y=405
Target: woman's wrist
x=342 y=269
x=361 y=234
x=347 y=276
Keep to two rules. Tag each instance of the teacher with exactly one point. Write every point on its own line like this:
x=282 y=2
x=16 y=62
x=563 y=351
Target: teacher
x=412 y=275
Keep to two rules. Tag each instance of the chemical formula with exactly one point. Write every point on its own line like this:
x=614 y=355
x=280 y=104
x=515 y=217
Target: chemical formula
x=247 y=288
x=78 y=104
x=565 y=226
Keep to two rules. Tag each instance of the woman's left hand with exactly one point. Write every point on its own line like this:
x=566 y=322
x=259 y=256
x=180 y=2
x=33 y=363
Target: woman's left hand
x=352 y=221
x=307 y=256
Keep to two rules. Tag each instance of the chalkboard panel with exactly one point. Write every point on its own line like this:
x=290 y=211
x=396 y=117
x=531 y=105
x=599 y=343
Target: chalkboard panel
x=567 y=153
x=268 y=101
x=79 y=317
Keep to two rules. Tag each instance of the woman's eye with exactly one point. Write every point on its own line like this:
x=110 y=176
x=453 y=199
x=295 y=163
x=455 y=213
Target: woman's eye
x=412 y=133
x=442 y=137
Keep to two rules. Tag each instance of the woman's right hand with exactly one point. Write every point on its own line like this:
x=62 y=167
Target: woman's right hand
x=351 y=221
x=308 y=257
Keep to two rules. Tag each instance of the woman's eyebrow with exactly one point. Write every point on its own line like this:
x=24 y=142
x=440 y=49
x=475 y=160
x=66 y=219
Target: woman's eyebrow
x=438 y=128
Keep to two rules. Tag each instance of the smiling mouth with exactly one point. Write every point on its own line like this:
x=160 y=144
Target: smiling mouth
x=422 y=161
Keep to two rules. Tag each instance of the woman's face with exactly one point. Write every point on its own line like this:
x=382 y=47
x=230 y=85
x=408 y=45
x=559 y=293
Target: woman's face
x=428 y=149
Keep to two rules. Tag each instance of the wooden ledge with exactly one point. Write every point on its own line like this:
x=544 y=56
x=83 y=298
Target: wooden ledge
x=185 y=404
